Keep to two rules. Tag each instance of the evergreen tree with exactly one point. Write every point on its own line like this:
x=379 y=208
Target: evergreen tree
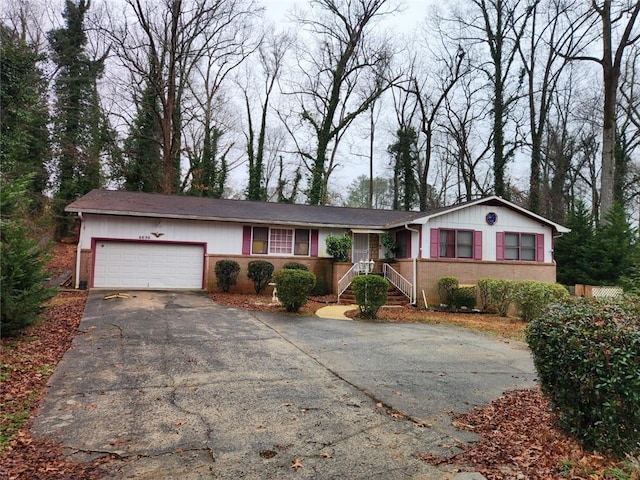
x=81 y=131
x=283 y=183
x=209 y=168
x=615 y=243
x=405 y=153
x=574 y=252
x=22 y=261
x=24 y=137
x=142 y=166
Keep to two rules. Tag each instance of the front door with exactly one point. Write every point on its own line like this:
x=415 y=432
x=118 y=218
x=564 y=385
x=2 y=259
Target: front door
x=360 y=250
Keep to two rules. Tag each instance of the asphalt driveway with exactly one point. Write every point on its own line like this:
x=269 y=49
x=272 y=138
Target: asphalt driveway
x=179 y=387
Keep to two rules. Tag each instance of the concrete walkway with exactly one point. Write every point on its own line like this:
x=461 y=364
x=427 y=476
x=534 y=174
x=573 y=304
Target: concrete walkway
x=335 y=312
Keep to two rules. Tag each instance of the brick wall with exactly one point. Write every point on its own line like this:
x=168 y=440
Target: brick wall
x=321 y=267
x=469 y=272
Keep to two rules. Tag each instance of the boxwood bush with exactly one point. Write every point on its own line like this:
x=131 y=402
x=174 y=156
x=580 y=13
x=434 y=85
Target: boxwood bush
x=464 y=297
x=500 y=293
x=531 y=298
x=371 y=293
x=226 y=273
x=259 y=272
x=293 y=286
x=587 y=354
x=446 y=287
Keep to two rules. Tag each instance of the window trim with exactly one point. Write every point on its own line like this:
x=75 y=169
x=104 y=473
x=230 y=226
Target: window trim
x=248 y=235
x=538 y=247
x=476 y=244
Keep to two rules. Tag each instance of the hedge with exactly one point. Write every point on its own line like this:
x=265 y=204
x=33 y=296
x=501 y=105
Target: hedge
x=587 y=353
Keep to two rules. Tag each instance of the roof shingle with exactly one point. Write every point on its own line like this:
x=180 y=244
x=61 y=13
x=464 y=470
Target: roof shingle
x=138 y=204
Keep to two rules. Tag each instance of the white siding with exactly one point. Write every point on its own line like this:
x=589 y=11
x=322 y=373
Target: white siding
x=220 y=238
x=473 y=218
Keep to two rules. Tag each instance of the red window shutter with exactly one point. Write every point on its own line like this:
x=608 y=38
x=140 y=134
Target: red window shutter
x=499 y=245
x=540 y=247
x=435 y=243
x=314 y=243
x=477 y=245
x=246 y=240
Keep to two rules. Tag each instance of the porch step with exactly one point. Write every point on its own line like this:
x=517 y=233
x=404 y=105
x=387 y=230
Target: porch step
x=394 y=297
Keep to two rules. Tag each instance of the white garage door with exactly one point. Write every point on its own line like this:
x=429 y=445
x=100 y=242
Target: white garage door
x=147 y=265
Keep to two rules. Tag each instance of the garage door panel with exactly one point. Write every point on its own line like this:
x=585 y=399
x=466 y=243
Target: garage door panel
x=147 y=265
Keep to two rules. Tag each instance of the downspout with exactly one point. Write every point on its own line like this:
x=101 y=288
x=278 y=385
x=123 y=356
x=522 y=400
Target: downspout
x=78 y=251
x=414 y=293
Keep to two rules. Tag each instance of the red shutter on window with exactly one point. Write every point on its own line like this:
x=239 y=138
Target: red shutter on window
x=540 y=247
x=477 y=245
x=314 y=243
x=435 y=242
x=246 y=240
x=499 y=245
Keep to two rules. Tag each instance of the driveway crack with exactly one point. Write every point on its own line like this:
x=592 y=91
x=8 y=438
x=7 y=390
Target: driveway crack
x=397 y=414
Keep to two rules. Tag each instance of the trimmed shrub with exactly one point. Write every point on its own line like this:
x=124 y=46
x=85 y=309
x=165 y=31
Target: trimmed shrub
x=531 y=298
x=259 y=272
x=483 y=292
x=338 y=247
x=500 y=294
x=371 y=293
x=464 y=297
x=587 y=352
x=446 y=286
x=294 y=266
x=293 y=287
x=227 y=273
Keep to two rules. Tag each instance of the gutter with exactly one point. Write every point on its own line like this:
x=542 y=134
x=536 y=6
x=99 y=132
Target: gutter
x=414 y=260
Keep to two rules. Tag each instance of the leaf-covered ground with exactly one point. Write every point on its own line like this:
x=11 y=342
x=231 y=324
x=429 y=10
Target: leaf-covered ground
x=517 y=436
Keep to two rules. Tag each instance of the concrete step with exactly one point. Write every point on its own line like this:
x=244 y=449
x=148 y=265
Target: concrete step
x=394 y=297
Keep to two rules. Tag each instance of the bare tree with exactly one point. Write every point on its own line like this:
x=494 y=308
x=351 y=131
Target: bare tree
x=429 y=102
x=498 y=26
x=179 y=38
x=627 y=190
x=464 y=145
x=271 y=55
x=620 y=22
x=26 y=20
x=343 y=73
x=547 y=35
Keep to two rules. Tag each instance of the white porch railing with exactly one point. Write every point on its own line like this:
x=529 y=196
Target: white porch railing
x=346 y=279
x=398 y=281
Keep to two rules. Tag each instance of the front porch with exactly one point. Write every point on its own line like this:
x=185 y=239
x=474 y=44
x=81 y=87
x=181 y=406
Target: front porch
x=401 y=290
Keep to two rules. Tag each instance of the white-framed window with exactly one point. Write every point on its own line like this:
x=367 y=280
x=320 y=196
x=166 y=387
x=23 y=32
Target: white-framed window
x=520 y=246
x=456 y=243
x=280 y=241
